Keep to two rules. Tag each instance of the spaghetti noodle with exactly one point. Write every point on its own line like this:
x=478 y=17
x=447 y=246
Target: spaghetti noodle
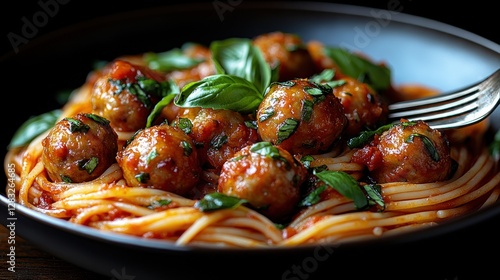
x=110 y=202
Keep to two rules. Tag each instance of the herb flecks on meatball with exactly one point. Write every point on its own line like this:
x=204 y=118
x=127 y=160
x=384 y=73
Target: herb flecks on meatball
x=125 y=94
x=301 y=116
x=410 y=151
x=161 y=157
x=265 y=175
x=79 y=148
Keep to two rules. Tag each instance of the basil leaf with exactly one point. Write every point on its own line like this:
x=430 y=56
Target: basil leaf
x=216 y=201
x=221 y=92
x=159 y=107
x=428 y=144
x=313 y=197
x=170 y=60
x=365 y=136
x=33 y=127
x=241 y=58
x=377 y=76
x=374 y=193
x=265 y=149
x=346 y=185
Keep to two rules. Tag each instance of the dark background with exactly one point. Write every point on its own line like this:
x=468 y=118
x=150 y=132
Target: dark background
x=475 y=16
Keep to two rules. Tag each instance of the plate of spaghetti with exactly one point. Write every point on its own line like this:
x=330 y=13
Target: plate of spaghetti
x=268 y=142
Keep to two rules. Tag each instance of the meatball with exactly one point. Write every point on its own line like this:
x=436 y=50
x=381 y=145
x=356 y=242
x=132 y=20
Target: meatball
x=126 y=94
x=410 y=151
x=301 y=116
x=363 y=106
x=217 y=134
x=160 y=157
x=79 y=148
x=288 y=53
x=267 y=176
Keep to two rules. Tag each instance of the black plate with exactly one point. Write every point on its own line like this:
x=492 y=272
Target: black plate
x=417 y=50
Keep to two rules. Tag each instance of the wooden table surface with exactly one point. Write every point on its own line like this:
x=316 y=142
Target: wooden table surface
x=31 y=263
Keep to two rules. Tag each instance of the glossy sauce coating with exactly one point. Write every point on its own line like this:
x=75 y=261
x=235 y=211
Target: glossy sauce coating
x=271 y=184
x=408 y=152
x=79 y=148
x=114 y=99
x=161 y=157
x=217 y=134
x=301 y=116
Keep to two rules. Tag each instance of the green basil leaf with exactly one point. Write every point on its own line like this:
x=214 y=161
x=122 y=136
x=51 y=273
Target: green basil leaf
x=33 y=127
x=313 y=197
x=346 y=185
x=216 y=201
x=365 y=136
x=239 y=57
x=377 y=76
x=265 y=149
x=159 y=107
x=429 y=145
x=221 y=91
x=374 y=194
x=170 y=60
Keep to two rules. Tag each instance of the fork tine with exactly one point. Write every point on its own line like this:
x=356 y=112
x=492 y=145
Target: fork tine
x=431 y=107
x=452 y=110
x=433 y=99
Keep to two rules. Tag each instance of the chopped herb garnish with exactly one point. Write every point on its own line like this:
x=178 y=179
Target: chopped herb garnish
x=142 y=177
x=266 y=114
x=306 y=161
x=286 y=129
x=185 y=125
x=152 y=155
x=217 y=201
x=429 y=145
x=158 y=203
x=265 y=149
x=88 y=164
x=218 y=141
x=187 y=148
x=97 y=119
x=307 y=110
x=66 y=179
x=77 y=125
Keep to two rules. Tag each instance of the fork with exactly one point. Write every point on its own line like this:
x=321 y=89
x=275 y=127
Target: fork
x=454 y=109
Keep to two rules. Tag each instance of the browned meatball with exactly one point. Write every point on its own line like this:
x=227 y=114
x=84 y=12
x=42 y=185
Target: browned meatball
x=288 y=52
x=160 y=157
x=364 y=107
x=125 y=94
x=267 y=176
x=217 y=134
x=301 y=116
x=79 y=148
x=407 y=152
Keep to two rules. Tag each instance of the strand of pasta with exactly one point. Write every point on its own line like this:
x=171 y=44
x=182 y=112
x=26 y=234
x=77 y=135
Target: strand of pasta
x=172 y=220
x=319 y=207
x=404 y=187
x=456 y=188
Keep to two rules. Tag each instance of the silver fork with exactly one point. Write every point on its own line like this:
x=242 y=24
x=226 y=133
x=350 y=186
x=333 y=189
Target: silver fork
x=452 y=110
